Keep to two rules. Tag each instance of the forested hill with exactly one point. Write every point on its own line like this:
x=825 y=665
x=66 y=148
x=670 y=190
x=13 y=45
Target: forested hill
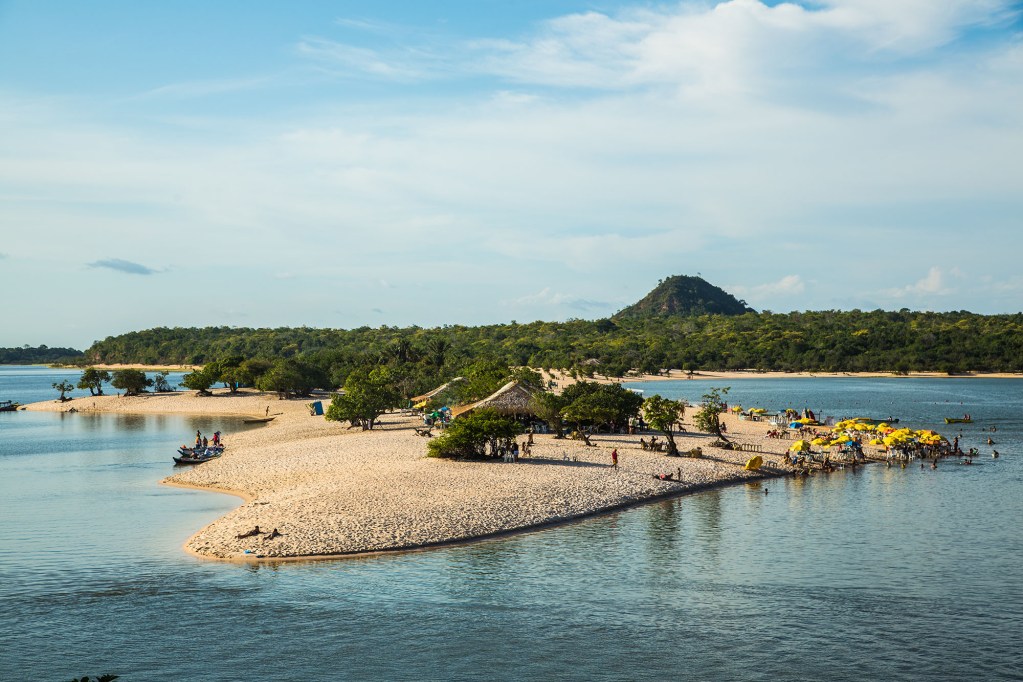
x=809 y=341
x=40 y=355
x=684 y=295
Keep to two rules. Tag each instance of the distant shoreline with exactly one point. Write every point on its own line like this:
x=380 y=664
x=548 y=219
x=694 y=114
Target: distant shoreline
x=670 y=375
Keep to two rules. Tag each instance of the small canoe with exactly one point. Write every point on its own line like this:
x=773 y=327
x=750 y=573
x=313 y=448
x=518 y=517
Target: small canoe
x=194 y=460
x=260 y=420
x=961 y=420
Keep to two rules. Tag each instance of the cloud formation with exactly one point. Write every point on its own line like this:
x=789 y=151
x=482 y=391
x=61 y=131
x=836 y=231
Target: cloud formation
x=784 y=289
x=125 y=266
x=936 y=282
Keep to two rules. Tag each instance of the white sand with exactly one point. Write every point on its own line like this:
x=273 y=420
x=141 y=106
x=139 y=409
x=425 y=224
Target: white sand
x=334 y=491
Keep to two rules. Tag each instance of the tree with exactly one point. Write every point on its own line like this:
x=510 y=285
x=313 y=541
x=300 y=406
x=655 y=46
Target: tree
x=471 y=434
x=131 y=381
x=663 y=415
x=548 y=407
x=200 y=380
x=64 y=387
x=527 y=377
x=600 y=404
x=711 y=406
x=227 y=370
x=290 y=377
x=93 y=380
x=160 y=383
x=367 y=395
x=436 y=350
x=482 y=378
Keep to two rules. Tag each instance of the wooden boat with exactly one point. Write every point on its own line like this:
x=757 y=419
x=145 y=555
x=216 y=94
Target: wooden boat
x=259 y=420
x=200 y=452
x=8 y=406
x=961 y=420
x=195 y=460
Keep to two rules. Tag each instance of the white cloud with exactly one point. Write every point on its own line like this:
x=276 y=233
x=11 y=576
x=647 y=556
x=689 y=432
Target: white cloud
x=770 y=292
x=934 y=283
x=547 y=297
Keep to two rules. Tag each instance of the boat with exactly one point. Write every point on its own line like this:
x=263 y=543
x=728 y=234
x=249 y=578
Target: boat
x=212 y=450
x=960 y=420
x=259 y=420
x=8 y=406
x=190 y=459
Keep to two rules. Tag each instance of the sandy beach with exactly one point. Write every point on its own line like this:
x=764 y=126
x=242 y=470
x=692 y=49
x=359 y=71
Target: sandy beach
x=333 y=491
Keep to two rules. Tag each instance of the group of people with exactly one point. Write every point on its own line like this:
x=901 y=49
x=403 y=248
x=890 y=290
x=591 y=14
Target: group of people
x=202 y=441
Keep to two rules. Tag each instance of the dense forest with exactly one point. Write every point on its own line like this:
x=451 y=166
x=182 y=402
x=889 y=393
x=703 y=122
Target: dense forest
x=848 y=341
x=39 y=355
x=684 y=323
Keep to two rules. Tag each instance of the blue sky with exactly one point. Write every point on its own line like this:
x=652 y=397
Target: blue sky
x=368 y=163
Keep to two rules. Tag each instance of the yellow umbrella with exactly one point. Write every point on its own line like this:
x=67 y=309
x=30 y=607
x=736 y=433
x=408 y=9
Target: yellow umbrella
x=800 y=446
x=736 y=408
x=820 y=441
x=421 y=405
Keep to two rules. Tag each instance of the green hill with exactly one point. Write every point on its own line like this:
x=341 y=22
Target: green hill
x=685 y=296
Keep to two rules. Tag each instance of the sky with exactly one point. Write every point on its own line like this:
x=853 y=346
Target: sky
x=350 y=163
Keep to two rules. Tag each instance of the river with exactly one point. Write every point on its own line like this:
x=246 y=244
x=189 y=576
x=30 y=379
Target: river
x=896 y=574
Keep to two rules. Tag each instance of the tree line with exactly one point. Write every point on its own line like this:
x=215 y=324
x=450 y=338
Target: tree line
x=827 y=341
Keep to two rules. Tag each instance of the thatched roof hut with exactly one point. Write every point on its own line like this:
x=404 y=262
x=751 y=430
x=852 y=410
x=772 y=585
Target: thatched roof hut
x=511 y=399
x=436 y=391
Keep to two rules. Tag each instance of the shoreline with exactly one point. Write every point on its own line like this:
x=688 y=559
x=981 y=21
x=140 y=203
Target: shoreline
x=668 y=375
x=460 y=542
x=337 y=493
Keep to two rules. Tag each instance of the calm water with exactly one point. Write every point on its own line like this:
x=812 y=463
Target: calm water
x=879 y=574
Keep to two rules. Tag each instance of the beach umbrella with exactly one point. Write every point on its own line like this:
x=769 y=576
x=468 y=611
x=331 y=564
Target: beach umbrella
x=819 y=441
x=794 y=425
x=800 y=446
x=421 y=405
x=736 y=408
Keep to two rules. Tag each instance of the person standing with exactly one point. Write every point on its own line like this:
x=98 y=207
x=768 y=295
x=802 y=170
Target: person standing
x=614 y=458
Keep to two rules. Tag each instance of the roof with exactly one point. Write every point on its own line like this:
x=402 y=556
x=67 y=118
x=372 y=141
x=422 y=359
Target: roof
x=512 y=398
x=439 y=389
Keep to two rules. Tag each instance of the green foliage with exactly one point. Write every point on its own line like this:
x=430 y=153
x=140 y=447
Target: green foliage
x=367 y=395
x=160 y=383
x=473 y=434
x=64 y=387
x=93 y=380
x=527 y=377
x=594 y=404
x=481 y=379
x=682 y=295
x=200 y=380
x=227 y=370
x=840 y=341
x=712 y=404
x=548 y=407
x=131 y=381
x=664 y=415
x=39 y=355
x=290 y=377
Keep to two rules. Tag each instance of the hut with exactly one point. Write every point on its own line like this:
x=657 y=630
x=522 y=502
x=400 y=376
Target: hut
x=421 y=399
x=512 y=399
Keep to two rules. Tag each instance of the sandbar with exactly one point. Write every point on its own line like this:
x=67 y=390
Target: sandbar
x=332 y=491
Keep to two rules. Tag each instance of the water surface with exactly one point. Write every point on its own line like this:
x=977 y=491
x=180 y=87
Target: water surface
x=879 y=574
